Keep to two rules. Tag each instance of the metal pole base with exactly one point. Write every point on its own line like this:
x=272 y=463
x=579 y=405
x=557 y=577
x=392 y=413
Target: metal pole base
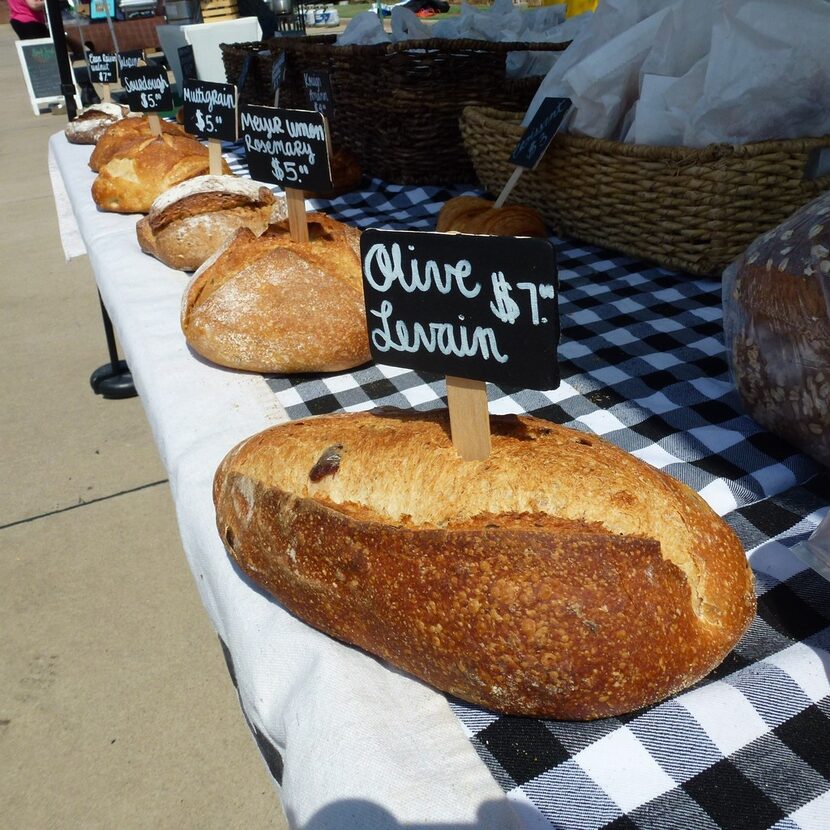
x=113 y=381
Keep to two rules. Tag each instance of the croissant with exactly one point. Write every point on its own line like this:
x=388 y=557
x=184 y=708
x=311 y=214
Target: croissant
x=472 y=214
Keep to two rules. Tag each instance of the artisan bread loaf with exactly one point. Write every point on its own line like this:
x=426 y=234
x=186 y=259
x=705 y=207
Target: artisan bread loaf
x=267 y=304
x=561 y=577
x=188 y=223
x=92 y=122
x=776 y=312
x=471 y=214
x=129 y=183
x=120 y=136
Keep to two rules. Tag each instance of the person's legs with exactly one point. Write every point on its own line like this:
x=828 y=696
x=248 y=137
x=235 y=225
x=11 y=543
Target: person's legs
x=29 y=30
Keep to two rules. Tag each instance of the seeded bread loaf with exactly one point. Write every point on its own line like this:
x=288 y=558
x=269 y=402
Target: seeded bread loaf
x=267 y=304
x=776 y=312
x=188 y=223
x=559 y=578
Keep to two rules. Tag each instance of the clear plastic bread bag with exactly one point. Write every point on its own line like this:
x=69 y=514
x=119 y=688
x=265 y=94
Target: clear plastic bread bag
x=776 y=315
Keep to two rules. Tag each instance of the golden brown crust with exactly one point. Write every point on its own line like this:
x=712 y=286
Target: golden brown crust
x=185 y=234
x=130 y=182
x=119 y=137
x=472 y=214
x=267 y=304
x=559 y=578
x=92 y=123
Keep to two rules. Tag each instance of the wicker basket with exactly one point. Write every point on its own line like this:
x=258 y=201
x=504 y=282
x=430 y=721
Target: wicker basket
x=692 y=210
x=397 y=105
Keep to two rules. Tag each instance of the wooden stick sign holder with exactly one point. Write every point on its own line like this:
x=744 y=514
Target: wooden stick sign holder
x=473 y=308
x=469 y=418
x=214 y=156
x=155 y=123
x=297 y=218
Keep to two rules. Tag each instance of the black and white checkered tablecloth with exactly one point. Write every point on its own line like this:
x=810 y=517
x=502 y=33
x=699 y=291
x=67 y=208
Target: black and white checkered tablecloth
x=643 y=365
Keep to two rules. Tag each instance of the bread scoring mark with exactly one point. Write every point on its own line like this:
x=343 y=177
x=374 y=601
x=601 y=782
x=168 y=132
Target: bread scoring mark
x=244 y=487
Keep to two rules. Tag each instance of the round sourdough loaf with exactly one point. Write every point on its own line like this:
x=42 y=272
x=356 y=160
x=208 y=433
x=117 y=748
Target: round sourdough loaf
x=561 y=577
x=189 y=222
x=129 y=183
x=120 y=136
x=267 y=304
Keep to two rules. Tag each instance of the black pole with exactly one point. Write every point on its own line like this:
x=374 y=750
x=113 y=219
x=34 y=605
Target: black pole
x=68 y=90
x=113 y=379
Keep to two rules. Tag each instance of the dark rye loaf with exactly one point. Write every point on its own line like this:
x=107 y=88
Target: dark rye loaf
x=559 y=578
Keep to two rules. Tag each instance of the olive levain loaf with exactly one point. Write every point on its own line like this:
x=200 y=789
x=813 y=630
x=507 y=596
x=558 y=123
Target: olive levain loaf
x=559 y=578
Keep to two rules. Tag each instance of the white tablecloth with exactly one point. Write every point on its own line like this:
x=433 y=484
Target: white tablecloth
x=362 y=746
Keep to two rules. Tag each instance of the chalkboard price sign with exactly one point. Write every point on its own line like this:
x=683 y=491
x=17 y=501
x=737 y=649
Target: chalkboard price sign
x=287 y=147
x=478 y=307
x=540 y=132
x=318 y=90
x=147 y=89
x=103 y=67
x=210 y=110
x=129 y=59
x=187 y=61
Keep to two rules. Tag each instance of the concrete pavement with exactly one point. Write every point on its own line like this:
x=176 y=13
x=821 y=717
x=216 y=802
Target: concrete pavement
x=116 y=709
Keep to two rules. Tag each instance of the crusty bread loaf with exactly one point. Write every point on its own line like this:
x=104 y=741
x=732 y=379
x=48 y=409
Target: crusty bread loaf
x=471 y=214
x=188 y=223
x=267 y=304
x=92 y=122
x=561 y=577
x=129 y=183
x=120 y=136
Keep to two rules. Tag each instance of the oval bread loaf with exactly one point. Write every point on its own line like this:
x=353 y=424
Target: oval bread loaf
x=559 y=578
x=120 y=136
x=93 y=122
x=189 y=222
x=129 y=183
x=268 y=304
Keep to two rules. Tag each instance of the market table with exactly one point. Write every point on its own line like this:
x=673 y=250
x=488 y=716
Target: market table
x=354 y=743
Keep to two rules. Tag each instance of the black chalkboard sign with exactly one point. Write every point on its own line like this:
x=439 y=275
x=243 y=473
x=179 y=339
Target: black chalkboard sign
x=540 y=132
x=287 y=147
x=478 y=307
x=41 y=67
x=210 y=110
x=247 y=62
x=129 y=59
x=318 y=90
x=147 y=89
x=187 y=61
x=103 y=67
x=277 y=74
